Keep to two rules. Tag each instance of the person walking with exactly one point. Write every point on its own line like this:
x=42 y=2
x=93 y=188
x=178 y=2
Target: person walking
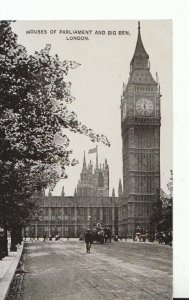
x=88 y=240
x=68 y=236
x=44 y=237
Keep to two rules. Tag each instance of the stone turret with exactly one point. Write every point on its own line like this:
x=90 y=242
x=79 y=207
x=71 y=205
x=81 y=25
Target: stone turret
x=94 y=182
x=49 y=193
x=120 y=189
x=84 y=162
x=63 y=193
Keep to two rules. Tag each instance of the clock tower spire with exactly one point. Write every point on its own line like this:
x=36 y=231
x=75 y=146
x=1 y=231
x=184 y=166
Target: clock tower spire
x=140 y=126
x=140 y=57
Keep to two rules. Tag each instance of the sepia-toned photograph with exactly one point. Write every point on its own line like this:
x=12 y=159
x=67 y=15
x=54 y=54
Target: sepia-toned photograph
x=86 y=160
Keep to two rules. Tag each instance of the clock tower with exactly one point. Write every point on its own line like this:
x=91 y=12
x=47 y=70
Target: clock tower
x=140 y=126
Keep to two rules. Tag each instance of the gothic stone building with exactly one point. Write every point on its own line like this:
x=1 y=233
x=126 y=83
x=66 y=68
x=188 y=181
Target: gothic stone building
x=90 y=205
x=140 y=125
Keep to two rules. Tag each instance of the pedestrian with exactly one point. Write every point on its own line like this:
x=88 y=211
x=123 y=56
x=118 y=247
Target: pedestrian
x=44 y=237
x=161 y=237
x=116 y=238
x=88 y=240
x=170 y=238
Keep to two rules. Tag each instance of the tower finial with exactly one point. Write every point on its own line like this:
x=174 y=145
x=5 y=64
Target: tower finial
x=63 y=193
x=138 y=25
x=120 y=188
x=84 y=162
x=140 y=54
x=96 y=157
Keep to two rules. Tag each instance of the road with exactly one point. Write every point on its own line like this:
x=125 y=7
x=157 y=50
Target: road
x=120 y=270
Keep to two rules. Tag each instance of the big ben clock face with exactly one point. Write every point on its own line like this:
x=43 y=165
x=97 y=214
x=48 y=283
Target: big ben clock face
x=144 y=106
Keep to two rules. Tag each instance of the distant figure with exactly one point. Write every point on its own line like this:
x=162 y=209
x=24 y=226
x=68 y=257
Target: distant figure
x=81 y=237
x=68 y=236
x=116 y=238
x=161 y=237
x=57 y=237
x=88 y=240
x=33 y=237
x=170 y=238
x=44 y=237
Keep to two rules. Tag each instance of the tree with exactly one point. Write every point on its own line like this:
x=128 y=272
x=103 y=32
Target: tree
x=167 y=203
x=161 y=217
x=156 y=216
x=34 y=121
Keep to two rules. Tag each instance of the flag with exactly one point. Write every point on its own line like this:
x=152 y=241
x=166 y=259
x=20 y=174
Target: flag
x=94 y=150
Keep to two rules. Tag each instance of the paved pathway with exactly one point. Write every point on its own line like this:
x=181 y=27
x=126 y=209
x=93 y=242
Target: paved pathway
x=120 y=270
x=7 y=269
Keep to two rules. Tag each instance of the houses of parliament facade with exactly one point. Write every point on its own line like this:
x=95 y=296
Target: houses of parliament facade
x=92 y=203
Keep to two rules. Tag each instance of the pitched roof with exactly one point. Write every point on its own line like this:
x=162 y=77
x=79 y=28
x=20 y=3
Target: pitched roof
x=142 y=76
x=139 y=50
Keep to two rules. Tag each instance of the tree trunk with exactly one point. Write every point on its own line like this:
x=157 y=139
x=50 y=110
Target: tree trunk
x=14 y=239
x=4 y=244
x=20 y=239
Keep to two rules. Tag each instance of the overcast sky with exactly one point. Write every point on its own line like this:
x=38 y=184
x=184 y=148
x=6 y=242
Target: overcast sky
x=97 y=83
